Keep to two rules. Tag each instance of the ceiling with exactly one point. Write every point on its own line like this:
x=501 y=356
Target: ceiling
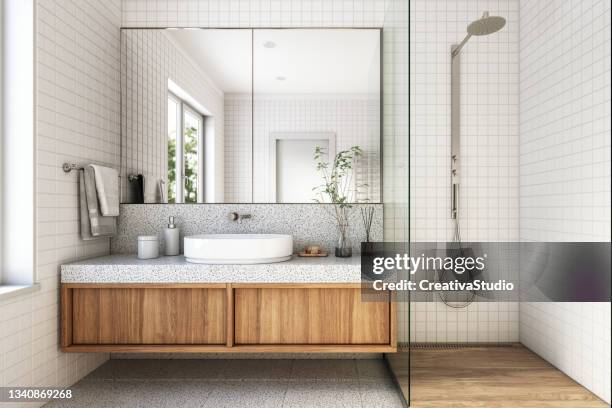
x=302 y=61
x=224 y=55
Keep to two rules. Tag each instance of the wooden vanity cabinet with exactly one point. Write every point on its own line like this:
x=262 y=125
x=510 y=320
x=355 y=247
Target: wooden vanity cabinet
x=224 y=318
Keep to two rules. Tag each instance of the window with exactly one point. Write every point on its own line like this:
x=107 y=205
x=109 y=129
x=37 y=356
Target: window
x=1 y=131
x=17 y=143
x=185 y=152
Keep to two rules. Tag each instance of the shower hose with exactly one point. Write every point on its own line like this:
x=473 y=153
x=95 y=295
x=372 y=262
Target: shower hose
x=444 y=296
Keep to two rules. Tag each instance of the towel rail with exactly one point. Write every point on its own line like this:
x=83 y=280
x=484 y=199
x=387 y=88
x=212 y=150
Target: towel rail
x=68 y=167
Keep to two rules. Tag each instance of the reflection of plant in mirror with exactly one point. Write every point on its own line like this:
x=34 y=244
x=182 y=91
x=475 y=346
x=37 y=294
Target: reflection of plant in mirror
x=190 y=149
x=337 y=189
x=367 y=216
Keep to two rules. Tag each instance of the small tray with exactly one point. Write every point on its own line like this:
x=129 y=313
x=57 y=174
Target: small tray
x=317 y=255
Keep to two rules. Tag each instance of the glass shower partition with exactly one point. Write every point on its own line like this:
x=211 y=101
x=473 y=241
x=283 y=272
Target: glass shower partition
x=396 y=175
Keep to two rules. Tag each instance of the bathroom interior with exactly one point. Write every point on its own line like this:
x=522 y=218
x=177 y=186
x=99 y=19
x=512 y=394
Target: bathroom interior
x=183 y=232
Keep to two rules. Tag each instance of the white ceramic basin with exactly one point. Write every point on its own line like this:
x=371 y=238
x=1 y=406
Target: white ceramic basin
x=238 y=248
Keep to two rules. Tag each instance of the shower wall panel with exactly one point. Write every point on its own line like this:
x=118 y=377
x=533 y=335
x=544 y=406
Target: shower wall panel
x=565 y=170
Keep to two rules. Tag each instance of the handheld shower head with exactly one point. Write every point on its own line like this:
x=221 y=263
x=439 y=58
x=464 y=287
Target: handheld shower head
x=485 y=25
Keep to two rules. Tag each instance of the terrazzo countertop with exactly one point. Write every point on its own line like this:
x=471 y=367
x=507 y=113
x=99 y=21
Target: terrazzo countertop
x=175 y=269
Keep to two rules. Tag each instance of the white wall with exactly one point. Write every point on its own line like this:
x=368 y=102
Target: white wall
x=565 y=170
x=354 y=119
x=78 y=121
x=488 y=206
x=151 y=58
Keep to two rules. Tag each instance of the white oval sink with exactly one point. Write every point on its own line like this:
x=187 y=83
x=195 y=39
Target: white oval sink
x=238 y=248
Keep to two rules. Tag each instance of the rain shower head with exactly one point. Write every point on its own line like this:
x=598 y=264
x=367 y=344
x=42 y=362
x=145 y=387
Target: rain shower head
x=485 y=25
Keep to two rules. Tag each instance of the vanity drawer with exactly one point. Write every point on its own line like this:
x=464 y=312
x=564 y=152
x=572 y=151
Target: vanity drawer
x=309 y=316
x=149 y=316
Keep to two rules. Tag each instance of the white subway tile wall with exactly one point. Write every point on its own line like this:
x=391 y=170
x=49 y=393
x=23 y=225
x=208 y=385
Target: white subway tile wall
x=256 y=13
x=238 y=149
x=78 y=121
x=150 y=58
x=353 y=120
x=488 y=197
x=565 y=170
x=392 y=15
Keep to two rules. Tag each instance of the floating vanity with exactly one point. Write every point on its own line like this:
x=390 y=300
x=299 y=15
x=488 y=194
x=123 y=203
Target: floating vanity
x=121 y=304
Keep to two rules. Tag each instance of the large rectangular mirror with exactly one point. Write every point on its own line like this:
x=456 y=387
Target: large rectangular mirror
x=250 y=116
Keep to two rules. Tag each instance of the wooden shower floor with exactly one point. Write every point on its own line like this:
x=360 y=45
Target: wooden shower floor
x=492 y=377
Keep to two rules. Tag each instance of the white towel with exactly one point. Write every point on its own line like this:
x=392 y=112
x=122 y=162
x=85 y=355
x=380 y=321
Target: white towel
x=107 y=187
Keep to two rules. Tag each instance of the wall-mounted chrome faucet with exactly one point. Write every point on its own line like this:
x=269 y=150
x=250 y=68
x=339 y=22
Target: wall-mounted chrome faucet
x=234 y=216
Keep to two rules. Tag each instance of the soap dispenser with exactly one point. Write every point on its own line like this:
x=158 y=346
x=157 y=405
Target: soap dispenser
x=171 y=238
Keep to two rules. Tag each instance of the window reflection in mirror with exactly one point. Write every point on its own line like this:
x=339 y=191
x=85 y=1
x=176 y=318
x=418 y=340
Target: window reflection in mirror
x=185 y=153
x=173 y=114
x=192 y=136
x=174 y=85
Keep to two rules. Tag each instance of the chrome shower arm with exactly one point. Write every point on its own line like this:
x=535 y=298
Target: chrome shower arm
x=457 y=49
x=485 y=25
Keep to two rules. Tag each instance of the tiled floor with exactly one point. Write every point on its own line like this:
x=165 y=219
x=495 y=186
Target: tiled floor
x=236 y=383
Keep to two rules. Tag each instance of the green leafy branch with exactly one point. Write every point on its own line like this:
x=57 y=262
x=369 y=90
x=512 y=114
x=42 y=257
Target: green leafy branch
x=337 y=183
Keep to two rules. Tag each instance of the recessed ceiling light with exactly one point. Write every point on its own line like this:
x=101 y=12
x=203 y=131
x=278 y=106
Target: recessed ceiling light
x=281 y=78
x=269 y=44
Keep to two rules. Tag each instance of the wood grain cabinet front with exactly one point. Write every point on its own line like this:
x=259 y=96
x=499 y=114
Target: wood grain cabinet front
x=148 y=316
x=234 y=318
x=308 y=316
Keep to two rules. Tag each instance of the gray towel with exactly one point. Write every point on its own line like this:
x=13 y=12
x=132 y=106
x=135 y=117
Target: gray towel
x=107 y=189
x=93 y=224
